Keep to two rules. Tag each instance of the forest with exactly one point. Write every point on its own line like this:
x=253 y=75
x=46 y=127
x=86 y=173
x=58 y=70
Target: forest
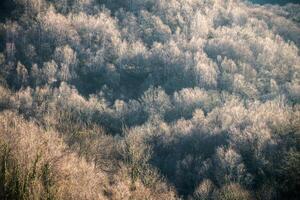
x=149 y=100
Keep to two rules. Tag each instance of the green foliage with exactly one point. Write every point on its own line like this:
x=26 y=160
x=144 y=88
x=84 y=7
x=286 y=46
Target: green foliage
x=135 y=154
x=289 y=175
x=48 y=182
x=17 y=183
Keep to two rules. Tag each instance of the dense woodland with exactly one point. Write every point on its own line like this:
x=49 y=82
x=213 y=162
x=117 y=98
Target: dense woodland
x=149 y=100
